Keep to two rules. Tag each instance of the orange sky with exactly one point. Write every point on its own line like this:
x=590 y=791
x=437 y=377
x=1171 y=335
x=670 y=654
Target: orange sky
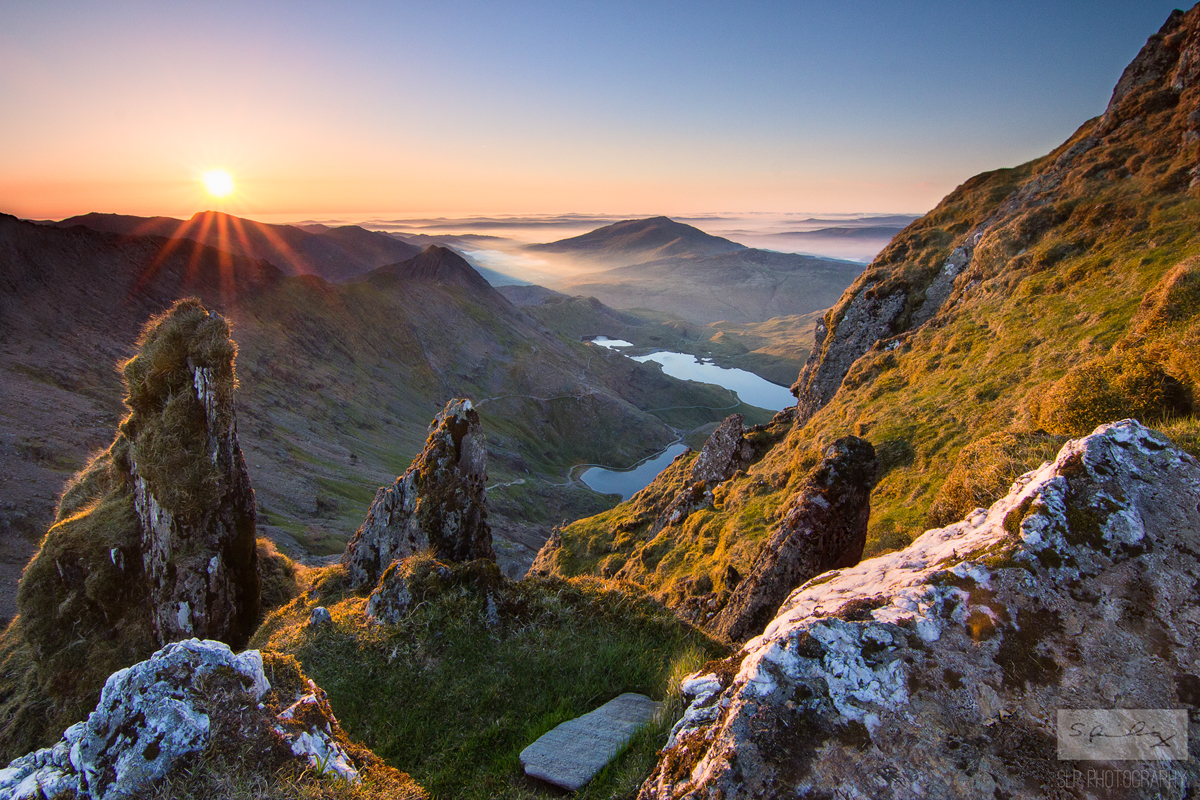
x=618 y=107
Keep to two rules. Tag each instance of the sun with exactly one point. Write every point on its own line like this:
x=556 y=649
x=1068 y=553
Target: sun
x=218 y=182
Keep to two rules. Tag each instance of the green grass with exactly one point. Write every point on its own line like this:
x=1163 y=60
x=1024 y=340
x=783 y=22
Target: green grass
x=452 y=701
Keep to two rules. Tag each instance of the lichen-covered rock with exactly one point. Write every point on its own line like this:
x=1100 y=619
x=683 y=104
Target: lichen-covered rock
x=938 y=670
x=824 y=528
x=155 y=715
x=149 y=716
x=438 y=504
x=308 y=727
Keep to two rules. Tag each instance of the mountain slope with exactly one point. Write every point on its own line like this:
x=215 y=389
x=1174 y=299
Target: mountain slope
x=637 y=240
x=338 y=383
x=743 y=286
x=334 y=254
x=1032 y=304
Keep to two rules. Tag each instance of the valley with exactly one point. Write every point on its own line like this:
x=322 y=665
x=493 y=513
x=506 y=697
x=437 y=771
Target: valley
x=335 y=382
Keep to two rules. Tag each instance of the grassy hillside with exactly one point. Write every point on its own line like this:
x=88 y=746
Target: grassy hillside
x=1032 y=304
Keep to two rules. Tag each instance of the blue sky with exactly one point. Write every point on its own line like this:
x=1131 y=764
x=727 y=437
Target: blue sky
x=603 y=107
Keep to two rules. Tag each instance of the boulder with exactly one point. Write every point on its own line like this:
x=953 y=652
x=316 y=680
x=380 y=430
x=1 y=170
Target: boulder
x=438 y=504
x=570 y=755
x=824 y=528
x=156 y=714
x=941 y=670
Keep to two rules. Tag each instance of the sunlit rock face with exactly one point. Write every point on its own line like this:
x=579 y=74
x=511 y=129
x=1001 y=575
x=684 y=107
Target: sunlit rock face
x=824 y=527
x=938 y=670
x=438 y=504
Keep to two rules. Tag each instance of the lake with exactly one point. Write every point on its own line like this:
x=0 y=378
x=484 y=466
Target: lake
x=751 y=389
x=629 y=482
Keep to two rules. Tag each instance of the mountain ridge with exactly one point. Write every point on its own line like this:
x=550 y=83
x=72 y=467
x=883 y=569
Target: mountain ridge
x=335 y=254
x=1033 y=304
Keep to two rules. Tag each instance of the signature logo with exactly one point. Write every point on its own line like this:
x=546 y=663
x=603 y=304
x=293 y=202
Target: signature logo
x=1122 y=734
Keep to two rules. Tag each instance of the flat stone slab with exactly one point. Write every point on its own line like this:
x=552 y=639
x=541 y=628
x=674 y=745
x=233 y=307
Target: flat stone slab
x=570 y=755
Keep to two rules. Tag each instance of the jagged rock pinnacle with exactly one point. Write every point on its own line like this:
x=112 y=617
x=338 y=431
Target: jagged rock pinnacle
x=438 y=504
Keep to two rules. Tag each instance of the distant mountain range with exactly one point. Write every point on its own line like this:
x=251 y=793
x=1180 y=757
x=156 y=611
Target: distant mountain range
x=859 y=232
x=335 y=254
x=337 y=382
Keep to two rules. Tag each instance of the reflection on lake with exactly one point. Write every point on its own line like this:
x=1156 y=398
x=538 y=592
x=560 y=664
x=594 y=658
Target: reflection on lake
x=629 y=482
x=750 y=388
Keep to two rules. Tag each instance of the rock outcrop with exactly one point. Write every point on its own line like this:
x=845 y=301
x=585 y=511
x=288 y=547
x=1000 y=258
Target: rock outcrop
x=154 y=540
x=725 y=452
x=438 y=504
x=191 y=489
x=408 y=582
x=825 y=528
x=155 y=715
x=939 y=670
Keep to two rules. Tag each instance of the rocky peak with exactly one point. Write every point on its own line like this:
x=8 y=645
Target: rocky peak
x=191 y=489
x=438 y=504
x=440 y=265
x=1170 y=53
x=998 y=227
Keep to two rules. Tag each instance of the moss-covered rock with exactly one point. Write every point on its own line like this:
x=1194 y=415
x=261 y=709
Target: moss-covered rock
x=153 y=540
x=941 y=665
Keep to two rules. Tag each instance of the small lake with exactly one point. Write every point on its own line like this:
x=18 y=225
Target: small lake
x=629 y=482
x=611 y=344
x=750 y=388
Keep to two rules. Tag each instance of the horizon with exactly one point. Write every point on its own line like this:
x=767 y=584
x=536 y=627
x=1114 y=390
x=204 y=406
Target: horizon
x=540 y=109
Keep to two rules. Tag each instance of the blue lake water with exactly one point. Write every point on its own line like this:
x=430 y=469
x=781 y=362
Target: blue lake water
x=750 y=388
x=629 y=482
x=611 y=344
